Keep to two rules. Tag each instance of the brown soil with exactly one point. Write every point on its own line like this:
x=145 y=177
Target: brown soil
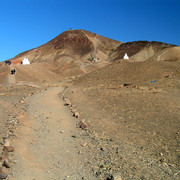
x=131 y=110
x=141 y=118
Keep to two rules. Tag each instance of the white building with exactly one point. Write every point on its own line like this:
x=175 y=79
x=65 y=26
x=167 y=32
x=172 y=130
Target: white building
x=126 y=56
x=25 y=61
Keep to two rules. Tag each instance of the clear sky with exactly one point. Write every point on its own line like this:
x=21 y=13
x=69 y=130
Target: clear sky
x=26 y=24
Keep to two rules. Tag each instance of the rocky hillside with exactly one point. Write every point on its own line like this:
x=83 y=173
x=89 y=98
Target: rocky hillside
x=144 y=50
x=76 y=44
x=68 y=54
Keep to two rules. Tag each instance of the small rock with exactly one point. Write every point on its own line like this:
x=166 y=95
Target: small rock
x=76 y=114
x=14 y=161
x=109 y=177
x=73 y=110
x=4 y=156
x=3 y=175
x=61 y=131
x=6 y=143
x=84 y=144
x=74 y=136
x=117 y=176
x=9 y=148
x=67 y=102
x=83 y=124
x=80 y=152
x=5 y=153
x=22 y=101
x=6 y=163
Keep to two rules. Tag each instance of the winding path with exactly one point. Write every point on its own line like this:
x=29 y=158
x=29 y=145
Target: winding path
x=49 y=142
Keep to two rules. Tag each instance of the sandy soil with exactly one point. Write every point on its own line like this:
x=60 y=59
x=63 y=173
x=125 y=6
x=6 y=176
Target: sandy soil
x=132 y=133
x=131 y=111
x=120 y=103
x=49 y=145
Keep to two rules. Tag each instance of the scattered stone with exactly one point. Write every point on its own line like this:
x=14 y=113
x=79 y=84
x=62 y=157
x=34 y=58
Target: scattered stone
x=84 y=144
x=117 y=176
x=83 y=124
x=126 y=84
x=73 y=110
x=67 y=102
x=98 y=173
x=4 y=156
x=22 y=101
x=5 y=152
x=109 y=177
x=74 y=136
x=3 y=175
x=76 y=115
x=6 y=163
x=6 y=143
x=80 y=152
x=14 y=161
x=61 y=131
x=142 y=178
x=9 y=148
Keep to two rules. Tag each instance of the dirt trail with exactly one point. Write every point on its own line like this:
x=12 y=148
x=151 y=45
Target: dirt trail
x=48 y=142
x=11 y=79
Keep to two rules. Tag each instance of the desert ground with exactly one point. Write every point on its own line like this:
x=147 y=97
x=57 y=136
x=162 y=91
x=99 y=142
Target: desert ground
x=66 y=118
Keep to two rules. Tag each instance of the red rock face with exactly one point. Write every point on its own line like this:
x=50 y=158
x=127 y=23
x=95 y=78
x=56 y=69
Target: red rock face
x=76 y=43
x=75 y=40
x=17 y=61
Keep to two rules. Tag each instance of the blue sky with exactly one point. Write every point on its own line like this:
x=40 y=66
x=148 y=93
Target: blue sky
x=26 y=24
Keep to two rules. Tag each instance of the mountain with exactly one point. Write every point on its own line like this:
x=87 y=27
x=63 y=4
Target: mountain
x=69 y=52
x=69 y=55
x=146 y=50
x=65 y=56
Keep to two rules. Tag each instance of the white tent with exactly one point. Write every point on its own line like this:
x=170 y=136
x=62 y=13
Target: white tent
x=25 y=61
x=126 y=56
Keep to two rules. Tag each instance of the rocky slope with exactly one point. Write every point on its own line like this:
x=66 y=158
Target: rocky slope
x=73 y=43
x=65 y=56
x=69 y=52
x=131 y=110
x=146 y=50
x=135 y=106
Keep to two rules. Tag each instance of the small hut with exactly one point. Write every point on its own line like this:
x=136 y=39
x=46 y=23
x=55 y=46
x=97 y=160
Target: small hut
x=126 y=56
x=25 y=61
